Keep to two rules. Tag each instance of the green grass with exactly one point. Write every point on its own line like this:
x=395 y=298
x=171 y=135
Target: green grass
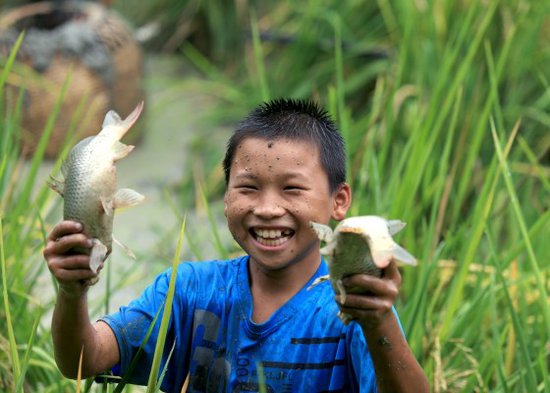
x=444 y=107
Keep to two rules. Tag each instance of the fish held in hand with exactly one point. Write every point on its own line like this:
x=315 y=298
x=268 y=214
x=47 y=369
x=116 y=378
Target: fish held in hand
x=359 y=245
x=88 y=184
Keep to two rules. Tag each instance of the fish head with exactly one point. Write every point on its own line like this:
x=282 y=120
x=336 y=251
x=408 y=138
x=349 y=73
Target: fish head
x=377 y=232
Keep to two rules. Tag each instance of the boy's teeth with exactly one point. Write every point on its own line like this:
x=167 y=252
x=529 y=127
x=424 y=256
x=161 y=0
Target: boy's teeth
x=268 y=234
x=272 y=237
x=271 y=242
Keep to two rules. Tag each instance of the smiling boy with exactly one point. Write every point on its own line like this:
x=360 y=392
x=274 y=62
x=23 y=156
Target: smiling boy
x=284 y=167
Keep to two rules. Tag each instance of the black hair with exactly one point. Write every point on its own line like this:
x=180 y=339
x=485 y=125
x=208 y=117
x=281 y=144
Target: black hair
x=296 y=120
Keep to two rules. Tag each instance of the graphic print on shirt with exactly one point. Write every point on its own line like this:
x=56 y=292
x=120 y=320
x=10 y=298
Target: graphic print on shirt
x=209 y=369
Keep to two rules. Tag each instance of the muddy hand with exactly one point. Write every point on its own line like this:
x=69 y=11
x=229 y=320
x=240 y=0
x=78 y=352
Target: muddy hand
x=371 y=304
x=71 y=269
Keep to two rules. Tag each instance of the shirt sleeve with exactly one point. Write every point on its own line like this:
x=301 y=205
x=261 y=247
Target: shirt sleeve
x=136 y=326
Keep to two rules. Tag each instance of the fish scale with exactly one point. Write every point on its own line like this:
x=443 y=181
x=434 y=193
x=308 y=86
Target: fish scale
x=88 y=184
x=354 y=248
x=83 y=202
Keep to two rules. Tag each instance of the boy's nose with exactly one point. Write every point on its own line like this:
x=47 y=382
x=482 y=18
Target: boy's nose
x=269 y=207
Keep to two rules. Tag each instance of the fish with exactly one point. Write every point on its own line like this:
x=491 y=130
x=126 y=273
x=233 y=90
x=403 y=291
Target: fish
x=359 y=244
x=87 y=184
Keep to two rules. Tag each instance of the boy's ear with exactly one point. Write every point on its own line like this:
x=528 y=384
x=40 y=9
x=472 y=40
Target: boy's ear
x=341 y=202
x=225 y=204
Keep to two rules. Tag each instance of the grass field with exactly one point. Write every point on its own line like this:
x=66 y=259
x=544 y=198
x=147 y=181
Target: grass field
x=445 y=109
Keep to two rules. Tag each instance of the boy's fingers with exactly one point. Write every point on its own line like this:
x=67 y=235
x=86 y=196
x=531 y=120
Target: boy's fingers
x=65 y=228
x=76 y=275
x=371 y=285
x=64 y=244
x=73 y=262
x=391 y=272
x=364 y=283
x=356 y=303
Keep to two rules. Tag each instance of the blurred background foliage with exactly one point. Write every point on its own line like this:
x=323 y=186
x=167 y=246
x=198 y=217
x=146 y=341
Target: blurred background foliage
x=445 y=109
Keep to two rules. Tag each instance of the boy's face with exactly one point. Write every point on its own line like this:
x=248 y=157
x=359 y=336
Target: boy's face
x=275 y=188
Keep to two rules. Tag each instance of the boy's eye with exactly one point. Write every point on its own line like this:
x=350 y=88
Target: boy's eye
x=247 y=187
x=293 y=188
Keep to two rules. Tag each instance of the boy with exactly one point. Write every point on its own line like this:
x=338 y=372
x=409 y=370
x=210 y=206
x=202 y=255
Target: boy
x=284 y=167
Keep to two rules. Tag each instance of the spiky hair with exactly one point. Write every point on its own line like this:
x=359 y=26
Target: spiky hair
x=294 y=119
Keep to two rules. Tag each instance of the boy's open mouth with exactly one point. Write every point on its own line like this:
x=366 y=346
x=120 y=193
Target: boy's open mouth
x=271 y=237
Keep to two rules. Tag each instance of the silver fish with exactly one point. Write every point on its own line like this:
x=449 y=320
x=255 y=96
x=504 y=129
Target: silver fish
x=359 y=245
x=88 y=184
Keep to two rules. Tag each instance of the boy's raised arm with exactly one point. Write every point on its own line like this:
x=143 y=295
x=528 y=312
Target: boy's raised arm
x=72 y=330
x=396 y=367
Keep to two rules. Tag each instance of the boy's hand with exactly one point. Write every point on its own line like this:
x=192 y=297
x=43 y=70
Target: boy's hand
x=70 y=269
x=397 y=370
x=372 y=306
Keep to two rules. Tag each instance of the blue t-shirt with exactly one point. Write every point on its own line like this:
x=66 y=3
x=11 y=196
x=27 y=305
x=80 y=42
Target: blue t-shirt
x=303 y=347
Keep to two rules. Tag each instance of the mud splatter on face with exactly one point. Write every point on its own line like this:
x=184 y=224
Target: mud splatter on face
x=290 y=189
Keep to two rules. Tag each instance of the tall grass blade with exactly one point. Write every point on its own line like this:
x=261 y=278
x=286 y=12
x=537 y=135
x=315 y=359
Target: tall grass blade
x=213 y=225
x=79 y=372
x=159 y=348
x=261 y=378
x=536 y=167
x=122 y=384
x=16 y=364
x=9 y=64
x=259 y=58
x=419 y=296
x=38 y=156
x=521 y=332
x=534 y=264
x=481 y=212
x=165 y=368
x=26 y=359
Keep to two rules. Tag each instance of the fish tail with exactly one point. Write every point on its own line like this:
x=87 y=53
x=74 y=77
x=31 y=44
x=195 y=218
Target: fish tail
x=118 y=127
x=132 y=117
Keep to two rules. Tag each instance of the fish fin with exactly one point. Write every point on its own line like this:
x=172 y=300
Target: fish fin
x=125 y=248
x=111 y=119
x=328 y=250
x=341 y=291
x=345 y=318
x=126 y=197
x=117 y=127
x=64 y=168
x=324 y=232
x=403 y=255
x=132 y=117
x=108 y=206
x=97 y=255
x=120 y=150
x=381 y=260
x=318 y=281
x=56 y=185
x=395 y=226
